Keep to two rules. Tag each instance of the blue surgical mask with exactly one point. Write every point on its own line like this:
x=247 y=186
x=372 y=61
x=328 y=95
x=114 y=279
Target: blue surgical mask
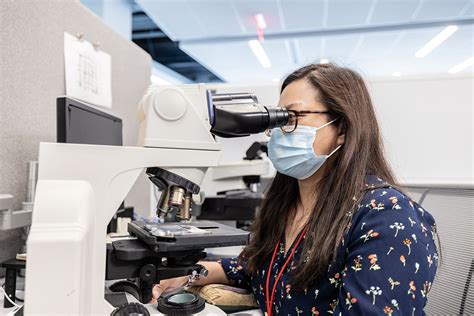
x=292 y=153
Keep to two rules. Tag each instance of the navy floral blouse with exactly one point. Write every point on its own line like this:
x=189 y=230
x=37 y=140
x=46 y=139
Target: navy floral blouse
x=386 y=263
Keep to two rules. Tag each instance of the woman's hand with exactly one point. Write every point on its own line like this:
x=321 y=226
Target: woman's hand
x=166 y=286
x=215 y=275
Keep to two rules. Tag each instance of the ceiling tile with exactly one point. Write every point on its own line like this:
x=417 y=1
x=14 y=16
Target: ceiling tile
x=217 y=17
x=174 y=17
x=340 y=48
x=310 y=49
x=394 y=11
x=302 y=14
x=437 y=9
x=348 y=12
x=468 y=10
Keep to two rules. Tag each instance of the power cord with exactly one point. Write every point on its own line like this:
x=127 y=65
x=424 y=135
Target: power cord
x=16 y=297
x=17 y=307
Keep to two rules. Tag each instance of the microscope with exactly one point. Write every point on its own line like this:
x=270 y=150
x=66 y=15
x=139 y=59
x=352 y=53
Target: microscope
x=81 y=186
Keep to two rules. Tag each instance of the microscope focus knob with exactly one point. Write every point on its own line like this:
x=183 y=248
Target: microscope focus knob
x=130 y=309
x=204 y=272
x=148 y=273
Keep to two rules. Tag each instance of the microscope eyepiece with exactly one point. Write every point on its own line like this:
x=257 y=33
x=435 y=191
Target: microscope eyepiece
x=277 y=117
x=240 y=114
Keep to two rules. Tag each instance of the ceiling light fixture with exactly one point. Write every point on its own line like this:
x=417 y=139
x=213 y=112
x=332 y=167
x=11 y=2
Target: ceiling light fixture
x=436 y=41
x=397 y=74
x=459 y=67
x=324 y=61
x=261 y=25
x=260 y=19
x=258 y=50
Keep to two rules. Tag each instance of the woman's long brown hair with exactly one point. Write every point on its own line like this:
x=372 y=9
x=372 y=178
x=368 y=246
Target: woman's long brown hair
x=345 y=94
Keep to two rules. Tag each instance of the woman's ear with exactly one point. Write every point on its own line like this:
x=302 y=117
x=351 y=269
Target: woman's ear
x=341 y=139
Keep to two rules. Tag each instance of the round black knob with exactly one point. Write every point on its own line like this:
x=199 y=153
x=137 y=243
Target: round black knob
x=131 y=309
x=128 y=287
x=181 y=304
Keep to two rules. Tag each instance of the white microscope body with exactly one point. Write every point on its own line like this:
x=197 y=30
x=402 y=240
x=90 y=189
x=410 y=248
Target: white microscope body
x=81 y=186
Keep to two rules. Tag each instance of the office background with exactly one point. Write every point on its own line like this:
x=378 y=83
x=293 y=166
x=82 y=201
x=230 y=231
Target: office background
x=421 y=104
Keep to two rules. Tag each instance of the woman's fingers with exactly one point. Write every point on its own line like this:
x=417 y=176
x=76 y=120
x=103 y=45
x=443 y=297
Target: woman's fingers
x=156 y=291
x=166 y=286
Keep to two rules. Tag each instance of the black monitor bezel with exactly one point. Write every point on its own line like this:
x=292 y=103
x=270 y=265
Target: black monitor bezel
x=62 y=119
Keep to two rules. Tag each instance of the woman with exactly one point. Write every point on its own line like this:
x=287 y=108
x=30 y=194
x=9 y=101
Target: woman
x=334 y=234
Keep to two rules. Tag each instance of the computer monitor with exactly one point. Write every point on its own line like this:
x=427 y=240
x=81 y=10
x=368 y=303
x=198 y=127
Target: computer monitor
x=81 y=124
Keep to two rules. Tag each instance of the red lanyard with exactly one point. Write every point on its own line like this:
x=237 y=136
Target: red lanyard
x=268 y=302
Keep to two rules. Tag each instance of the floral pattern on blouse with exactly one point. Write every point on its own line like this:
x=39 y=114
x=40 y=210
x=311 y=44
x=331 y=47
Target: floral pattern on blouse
x=385 y=266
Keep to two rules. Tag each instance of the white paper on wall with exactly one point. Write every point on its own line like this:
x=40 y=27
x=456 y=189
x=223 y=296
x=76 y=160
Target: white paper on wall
x=88 y=72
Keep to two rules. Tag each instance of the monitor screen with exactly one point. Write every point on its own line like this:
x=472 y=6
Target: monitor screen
x=81 y=124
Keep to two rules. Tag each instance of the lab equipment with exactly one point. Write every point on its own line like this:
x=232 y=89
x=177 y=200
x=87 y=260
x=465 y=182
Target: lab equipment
x=10 y=219
x=12 y=266
x=67 y=245
x=32 y=178
x=240 y=114
x=231 y=189
x=79 y=123
x=181 y=304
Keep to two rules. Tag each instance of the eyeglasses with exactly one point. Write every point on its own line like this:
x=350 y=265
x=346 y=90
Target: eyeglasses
x=293 y=120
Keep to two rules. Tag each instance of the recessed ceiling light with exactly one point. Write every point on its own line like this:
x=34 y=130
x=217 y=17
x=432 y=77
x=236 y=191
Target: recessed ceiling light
x=436 y=41
x=397 y=74
x=260 y=53
x=324 y=61
x=459 y=67
x=260 y=19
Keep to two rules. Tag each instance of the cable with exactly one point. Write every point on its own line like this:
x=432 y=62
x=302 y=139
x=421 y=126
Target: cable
x=14 y=311
x=9 y=299
x=16 y=297
x=16 y=306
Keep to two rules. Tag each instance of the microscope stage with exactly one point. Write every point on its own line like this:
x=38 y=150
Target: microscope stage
x=196 y=235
